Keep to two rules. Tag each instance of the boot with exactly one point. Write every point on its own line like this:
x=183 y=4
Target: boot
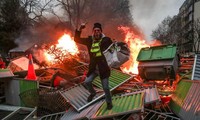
x=91 y=97
x=109 y=106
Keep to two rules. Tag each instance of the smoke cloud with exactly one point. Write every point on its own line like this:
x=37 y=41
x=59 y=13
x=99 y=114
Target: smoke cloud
x=147 y=14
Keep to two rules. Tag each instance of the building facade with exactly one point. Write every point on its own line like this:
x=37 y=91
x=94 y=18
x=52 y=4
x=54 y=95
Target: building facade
x=189 y=13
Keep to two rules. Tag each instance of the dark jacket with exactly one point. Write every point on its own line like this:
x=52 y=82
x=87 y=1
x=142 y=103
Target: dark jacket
x=104 y=69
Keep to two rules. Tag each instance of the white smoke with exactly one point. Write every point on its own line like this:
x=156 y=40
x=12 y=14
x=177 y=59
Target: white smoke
x=147 y=14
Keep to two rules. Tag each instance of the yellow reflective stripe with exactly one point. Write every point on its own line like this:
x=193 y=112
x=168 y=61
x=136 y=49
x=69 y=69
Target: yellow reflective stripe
x=95 y=50
x=95 y=47
x=95 y=44
x=98 y=54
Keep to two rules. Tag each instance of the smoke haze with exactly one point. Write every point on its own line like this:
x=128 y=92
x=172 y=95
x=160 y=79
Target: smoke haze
x=147 y=14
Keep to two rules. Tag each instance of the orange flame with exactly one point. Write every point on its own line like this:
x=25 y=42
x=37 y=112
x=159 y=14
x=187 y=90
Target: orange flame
x=135 y=43
x=67 y=43
x=66 y=46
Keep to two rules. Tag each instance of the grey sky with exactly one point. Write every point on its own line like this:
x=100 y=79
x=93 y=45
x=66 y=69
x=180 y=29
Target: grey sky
x=147 y=14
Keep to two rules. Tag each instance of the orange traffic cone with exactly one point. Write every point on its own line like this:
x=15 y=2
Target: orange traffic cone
x=31 y=72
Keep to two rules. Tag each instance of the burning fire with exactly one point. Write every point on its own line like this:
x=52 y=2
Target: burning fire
x=135 y=43
x=66 y=47
x=67 y=43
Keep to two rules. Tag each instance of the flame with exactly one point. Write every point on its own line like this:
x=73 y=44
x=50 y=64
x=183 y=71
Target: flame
x=67 y=43
x=65 y=48
x=135 y=43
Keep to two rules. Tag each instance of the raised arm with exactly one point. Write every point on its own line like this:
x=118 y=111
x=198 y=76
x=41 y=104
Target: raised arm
x=77 y=37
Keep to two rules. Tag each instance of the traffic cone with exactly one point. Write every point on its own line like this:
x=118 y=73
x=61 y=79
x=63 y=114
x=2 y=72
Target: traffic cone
x=31 y=71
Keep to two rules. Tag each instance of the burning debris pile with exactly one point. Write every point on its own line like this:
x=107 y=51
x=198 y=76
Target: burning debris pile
x=135 y=43
x=57 y=90
x=66 y=49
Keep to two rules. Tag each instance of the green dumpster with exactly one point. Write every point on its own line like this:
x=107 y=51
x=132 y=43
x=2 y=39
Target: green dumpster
x=158 y=63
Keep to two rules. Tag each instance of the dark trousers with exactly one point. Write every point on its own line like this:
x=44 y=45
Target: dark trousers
x=105 y=84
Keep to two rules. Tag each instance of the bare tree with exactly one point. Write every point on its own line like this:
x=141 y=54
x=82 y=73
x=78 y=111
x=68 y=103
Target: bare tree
x=17 y=16
x=73 y=9
x=111 y=14
x=37 y=9
x=162 y=32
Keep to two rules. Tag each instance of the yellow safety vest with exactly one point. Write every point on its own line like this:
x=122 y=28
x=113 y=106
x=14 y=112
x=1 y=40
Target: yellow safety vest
x=95 y=49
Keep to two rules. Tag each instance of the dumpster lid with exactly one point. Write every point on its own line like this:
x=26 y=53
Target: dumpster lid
x=162 y=52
